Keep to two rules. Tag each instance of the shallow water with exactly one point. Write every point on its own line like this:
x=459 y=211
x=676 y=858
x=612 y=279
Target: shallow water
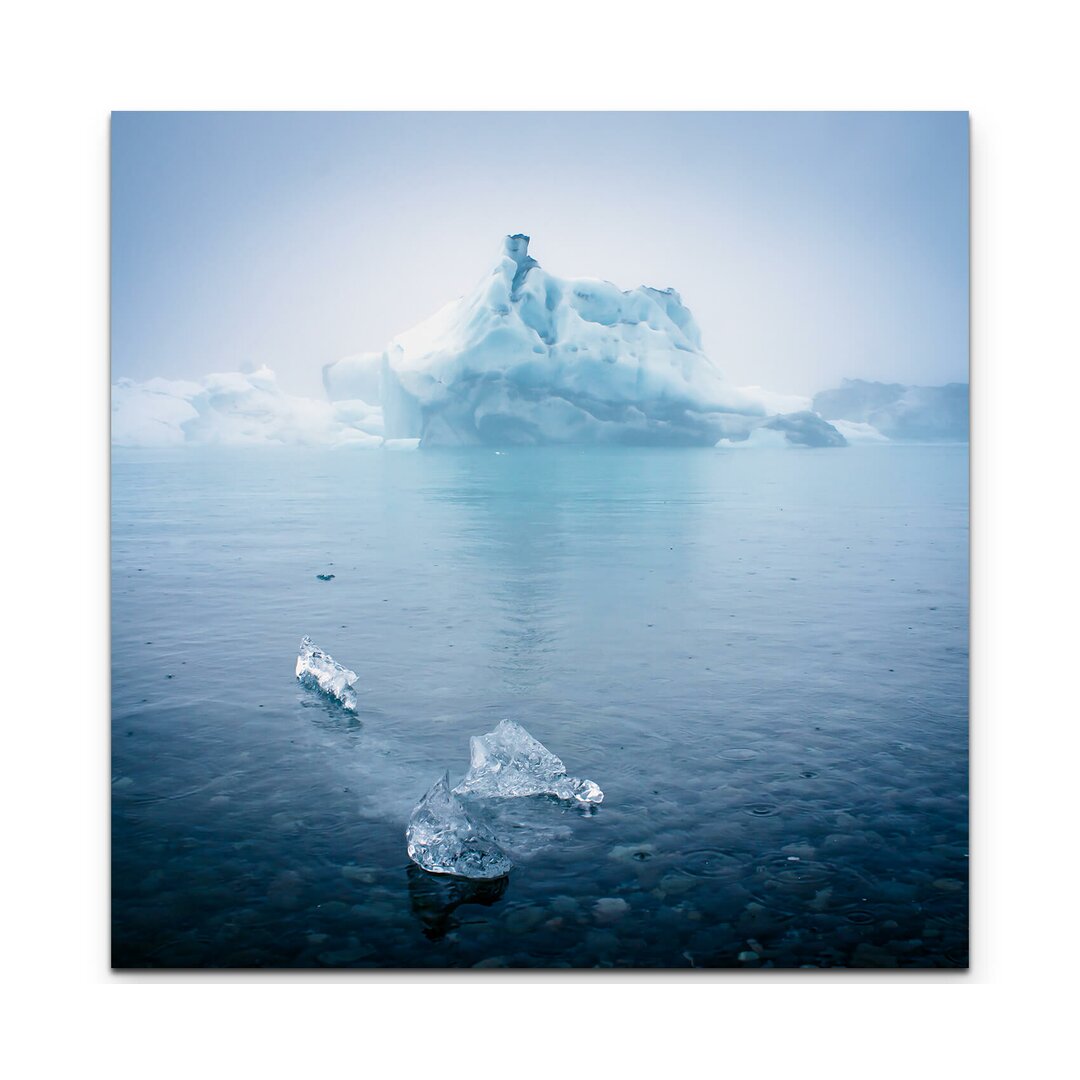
x=761 y=657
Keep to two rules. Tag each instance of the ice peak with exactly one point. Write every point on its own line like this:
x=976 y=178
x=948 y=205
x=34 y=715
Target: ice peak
x=517 y=247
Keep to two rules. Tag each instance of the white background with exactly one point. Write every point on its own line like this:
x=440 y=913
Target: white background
x=65 y=66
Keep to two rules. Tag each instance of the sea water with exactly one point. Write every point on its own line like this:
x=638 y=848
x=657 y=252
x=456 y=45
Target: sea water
x=760 y=656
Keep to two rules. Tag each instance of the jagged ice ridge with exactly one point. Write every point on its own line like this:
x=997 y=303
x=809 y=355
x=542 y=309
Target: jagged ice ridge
x=509 y=763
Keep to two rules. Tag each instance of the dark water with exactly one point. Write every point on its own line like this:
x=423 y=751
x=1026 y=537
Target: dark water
x=761 y=657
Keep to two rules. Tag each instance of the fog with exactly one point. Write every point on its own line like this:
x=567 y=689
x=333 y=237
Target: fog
x=809 y=246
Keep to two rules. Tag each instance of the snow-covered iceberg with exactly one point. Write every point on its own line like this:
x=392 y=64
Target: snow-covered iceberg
x=509 y=763
x=895 y=411
x=529 y=358
x=236 y=408
x=322 y=671
x=443 y=838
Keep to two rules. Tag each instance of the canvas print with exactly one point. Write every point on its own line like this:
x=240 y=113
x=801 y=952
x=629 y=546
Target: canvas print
x=539 y=540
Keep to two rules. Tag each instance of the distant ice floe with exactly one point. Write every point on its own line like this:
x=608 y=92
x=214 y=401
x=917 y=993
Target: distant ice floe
x=236 y=409
x=761 y=438
x=531 y=358
x=856 y=432
x=789 y=429
x=897 y=412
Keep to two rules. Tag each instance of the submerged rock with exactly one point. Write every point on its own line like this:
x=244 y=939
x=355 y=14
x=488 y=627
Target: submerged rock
x=320 y=670
x=443 y=838
x=509 y=763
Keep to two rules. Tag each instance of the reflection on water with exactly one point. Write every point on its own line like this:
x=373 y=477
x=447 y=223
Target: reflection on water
x=761 y=658
x=434 y=898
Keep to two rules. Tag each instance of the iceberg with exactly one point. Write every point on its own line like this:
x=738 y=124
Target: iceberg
x=443 y=838
x=526 y=358
x=319 y=669
x=531 y=358
x=508 y=763
x=897 y=412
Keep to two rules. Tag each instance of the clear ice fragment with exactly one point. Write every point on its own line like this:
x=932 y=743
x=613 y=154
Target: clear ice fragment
x=319 y=669
x=508 y=762
x=443 y=838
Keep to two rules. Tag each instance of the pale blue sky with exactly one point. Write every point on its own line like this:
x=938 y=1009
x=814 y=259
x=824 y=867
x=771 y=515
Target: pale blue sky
x=810 y=246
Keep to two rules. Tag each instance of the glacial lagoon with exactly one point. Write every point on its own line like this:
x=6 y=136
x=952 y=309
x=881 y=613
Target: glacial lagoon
x=761 y=657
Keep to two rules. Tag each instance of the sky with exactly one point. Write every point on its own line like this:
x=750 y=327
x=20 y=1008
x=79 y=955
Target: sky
x=810 y=247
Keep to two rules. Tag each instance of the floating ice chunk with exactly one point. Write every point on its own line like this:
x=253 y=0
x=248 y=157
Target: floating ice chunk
x=443 y=838
x=508 y=762
x=316 y=668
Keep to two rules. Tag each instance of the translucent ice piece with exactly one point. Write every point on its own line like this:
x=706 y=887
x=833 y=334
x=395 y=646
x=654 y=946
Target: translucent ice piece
x=509 y=762
x=316 y=668
x=443 y=838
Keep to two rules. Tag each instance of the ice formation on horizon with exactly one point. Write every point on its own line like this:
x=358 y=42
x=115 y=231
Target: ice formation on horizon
x=236 y=408
x=893 y=411
x=509 y=763
x=531 y=358
x=856 y=431
x=528 y=358
x=321 y=670
x=442 y=837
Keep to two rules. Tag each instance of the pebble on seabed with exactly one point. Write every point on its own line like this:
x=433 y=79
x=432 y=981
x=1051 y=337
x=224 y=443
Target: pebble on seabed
x=610 y=909
x=637 y=852
x=359 y=874
x=523 y=919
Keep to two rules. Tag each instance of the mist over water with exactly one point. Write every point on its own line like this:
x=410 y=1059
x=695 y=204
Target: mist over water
x=760 y=656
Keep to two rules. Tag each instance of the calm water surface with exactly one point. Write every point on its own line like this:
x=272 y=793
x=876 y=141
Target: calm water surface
x=761 y=657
